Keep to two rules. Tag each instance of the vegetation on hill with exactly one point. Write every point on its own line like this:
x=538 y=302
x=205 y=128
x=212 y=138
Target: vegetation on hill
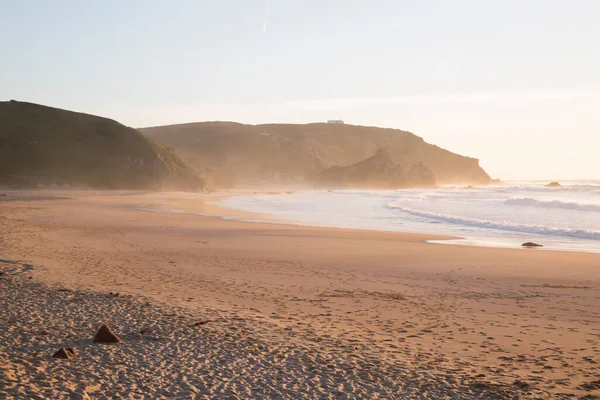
x=42 y=145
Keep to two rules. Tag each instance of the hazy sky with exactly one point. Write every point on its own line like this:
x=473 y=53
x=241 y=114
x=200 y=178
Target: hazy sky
x=513 y=83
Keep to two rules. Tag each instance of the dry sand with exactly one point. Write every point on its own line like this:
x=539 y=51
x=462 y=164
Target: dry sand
x=286 y=311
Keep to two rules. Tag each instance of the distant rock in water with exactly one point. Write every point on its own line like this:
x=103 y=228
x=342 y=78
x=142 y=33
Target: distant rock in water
x=554 y=185
x=293 y=154
x=377 y=171
x=45 y=146
x=531 y=244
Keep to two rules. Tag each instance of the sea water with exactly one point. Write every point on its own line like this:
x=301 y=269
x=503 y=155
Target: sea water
x=566 y=218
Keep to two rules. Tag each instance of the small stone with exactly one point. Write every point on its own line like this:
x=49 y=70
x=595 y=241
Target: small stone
x=589 y=386
x=105 y=335
x=521 y=384
x=65 y=352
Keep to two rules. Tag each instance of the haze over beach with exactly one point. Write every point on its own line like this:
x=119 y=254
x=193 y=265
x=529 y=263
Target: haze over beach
x=299 y=200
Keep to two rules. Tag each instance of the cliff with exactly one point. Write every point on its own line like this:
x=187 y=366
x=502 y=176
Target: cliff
x=42 y=145
x=246 y=155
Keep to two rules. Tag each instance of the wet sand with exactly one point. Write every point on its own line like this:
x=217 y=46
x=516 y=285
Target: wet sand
x=294 y=311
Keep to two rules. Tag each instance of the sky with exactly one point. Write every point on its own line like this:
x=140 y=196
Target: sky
x=515 y=84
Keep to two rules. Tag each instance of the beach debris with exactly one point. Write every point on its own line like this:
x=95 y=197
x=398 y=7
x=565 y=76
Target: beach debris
x=553 y=185
x=65 y=352
x=204 y=322
x=589 y=386
x=531 y=244
x=147 y=330
x=521 y=385
x=105 y=335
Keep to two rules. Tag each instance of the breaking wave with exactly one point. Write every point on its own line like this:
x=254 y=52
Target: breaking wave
x=503 y=226
x=529 y=202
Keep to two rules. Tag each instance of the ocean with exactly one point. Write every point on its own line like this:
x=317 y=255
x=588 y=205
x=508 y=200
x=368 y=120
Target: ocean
x=566 y=218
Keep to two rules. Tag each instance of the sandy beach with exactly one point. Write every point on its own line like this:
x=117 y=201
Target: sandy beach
x=214 y=308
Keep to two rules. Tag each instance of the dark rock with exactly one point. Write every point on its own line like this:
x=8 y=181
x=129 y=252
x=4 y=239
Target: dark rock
x=65 y=352
x=553 y=185
x=594 y=385
x=105 y=335
x=589 y=397
x=531 y=244
x=199 y=323
x=521 y=384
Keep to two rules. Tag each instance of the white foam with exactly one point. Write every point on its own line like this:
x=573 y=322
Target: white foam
x=506 y=226
x=529 y=202
x=567 y=218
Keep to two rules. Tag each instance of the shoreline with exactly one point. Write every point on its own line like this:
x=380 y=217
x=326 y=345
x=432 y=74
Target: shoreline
x=210 y=207
x=481 y=316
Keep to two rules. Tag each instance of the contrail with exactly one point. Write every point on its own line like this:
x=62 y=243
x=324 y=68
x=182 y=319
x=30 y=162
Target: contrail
x=266 y=16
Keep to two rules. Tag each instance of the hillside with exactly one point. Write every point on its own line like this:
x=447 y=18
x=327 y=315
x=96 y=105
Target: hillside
x=42 y=145
x=296 y=154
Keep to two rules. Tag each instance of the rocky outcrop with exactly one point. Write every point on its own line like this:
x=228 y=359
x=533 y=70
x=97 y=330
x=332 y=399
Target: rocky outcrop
x=554 y=185
x=420 y=176
x=248 y=155
x=45 y=146
x=377 y=171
